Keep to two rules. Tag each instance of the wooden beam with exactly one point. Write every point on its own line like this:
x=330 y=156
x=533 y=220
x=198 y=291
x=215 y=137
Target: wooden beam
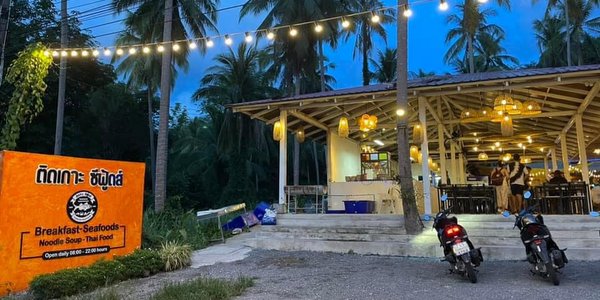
x=517 y=117
x=308 y=119
x=588 y=99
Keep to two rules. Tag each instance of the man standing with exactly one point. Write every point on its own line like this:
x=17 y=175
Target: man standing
x=499 y=179
x=517 y=172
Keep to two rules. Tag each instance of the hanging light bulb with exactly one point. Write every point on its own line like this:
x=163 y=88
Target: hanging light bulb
x=417 y=134
x=176 y=47
x=64 y=53
x=345 y=23
x=248 y=38
x=443 y=5
x=497 y=144
x=55 y=53
x=160 y=48
x=85 y=53
x=132 y=51
x=95 y=53
x=482 y=1
x=46 y=53
x=119 y=51
x=300 y=135
x=228 y=40
x=209 y=43
x=407 y=11
x=107 y=52
x=343 y=130
x=475 y=149
x=293 y=31
x=270 y=35
x=74 y=53
x=146 y=49
x=414 y=152
x=506 y=126
x=193 y=45
x=318 y=28
x=400 y=112
x=375 y=18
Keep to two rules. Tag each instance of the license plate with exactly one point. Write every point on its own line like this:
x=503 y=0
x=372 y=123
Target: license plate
x=461 y=248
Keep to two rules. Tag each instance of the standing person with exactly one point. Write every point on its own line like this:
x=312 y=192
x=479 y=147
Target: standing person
x=518 y=173
x=499 y=179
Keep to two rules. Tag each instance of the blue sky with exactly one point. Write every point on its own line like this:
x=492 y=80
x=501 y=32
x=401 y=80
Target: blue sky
x=427 y=31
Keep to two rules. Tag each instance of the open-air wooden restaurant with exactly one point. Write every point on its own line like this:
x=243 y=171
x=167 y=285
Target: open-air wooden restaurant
x=460 y=126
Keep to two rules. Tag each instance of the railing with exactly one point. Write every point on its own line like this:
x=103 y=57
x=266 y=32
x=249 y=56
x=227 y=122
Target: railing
x=292 y=193
x=567 y=198
x=468 y=199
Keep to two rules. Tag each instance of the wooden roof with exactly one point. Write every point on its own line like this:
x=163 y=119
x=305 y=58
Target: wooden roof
x=562 y=93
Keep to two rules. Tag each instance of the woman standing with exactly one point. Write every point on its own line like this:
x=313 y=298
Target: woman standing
x=499 y=179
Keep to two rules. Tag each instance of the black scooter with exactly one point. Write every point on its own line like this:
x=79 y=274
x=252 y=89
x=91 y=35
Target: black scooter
x=542 y=252
x=458 y=249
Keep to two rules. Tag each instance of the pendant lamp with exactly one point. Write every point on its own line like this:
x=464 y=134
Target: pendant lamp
x=300 y=135
x=506 y=126
x=516 y=108
x=277 y=131
x=343 y=130
x=502 y=102
x=417 y=134
x=531 y=108
x=414 y=152
x=482 y=156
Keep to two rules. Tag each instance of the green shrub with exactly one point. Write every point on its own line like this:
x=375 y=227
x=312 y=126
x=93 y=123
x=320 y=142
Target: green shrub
x=141 y=263
x=175 y=255
x=178 y=226
x=85 y=279
x=205 y=288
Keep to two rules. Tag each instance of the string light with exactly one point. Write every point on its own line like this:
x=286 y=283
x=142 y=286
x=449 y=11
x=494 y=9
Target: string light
x=176 y=47
x=46 y=53
x=443 y=5
x=293 y=31
x=270 y=35
x=228 y=40
x=482 y=1
x=55 y=53
x=119 y=51
x=400 y=112
x=64 y=53
x=85 y=53
x=160 y=48
x=107 y=52
x=248 y=38
x=193 y=45
x=132 y=51
x=407 y=11
x=318 y=28
x=74 y=53
x=345 y=23
x=146 y=49
x=209 y=43
x=375 y=18
x=95 y=53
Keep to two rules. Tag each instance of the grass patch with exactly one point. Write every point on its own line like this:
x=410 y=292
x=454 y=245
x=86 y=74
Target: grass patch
x=205 y=288
x=175 y=255
x=177 y=226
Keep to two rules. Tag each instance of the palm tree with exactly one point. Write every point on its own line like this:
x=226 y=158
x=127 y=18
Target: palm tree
x=551 y=41
x=385 y=66
x=581 y=23
x=365 y=30
x=181 y=18
x=143 y=71
x=239 y=76
x=492 y=54
x=472 y=22
x=420 y=74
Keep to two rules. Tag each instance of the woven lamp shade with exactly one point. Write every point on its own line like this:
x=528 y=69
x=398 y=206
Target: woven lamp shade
x=420 y=157
x=516 y=108
x=531 y=108
x=414 y=152
x=468 y=114
x=343 y=130
x=486 y=113
x=497 y=116
x=502 y=102
x=363 y=123
x=506 y=126
x=417 y=134
x=482 y=156
x=277 y=131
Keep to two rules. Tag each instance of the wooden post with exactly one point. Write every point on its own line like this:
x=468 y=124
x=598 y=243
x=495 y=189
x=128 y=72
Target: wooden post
x=461 y=169
x=565 y=155
x=554 y=159
x=442 y=146
x=545 y=167
x=453 y=169
x=425 y=161
x=585 y=172
x=283 y=156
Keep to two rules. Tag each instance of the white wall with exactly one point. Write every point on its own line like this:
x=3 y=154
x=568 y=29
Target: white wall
x=345 y=157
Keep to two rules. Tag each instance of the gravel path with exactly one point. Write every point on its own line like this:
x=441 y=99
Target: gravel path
x=309 y=275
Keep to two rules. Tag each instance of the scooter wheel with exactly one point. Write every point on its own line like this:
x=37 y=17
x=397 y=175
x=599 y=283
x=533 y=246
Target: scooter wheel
x=471 y=274
x=552 y=273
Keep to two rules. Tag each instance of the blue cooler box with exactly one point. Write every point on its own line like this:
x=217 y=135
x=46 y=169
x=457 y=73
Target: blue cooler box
x=359 y=207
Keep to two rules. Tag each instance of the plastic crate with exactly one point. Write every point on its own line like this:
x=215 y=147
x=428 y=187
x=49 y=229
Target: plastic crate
x=359 y=207
x=259 y=211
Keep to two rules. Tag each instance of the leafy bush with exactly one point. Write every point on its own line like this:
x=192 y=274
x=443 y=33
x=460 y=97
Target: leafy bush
x=182 y=227
x=205 y=288
x=175 y=255
x=84 y=279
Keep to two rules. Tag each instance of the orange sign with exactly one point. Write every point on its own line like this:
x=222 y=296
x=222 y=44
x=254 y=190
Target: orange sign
x=61 y=212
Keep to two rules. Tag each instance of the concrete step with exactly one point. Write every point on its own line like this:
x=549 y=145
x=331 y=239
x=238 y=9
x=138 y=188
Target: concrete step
x=341 y=222
x=416 y=248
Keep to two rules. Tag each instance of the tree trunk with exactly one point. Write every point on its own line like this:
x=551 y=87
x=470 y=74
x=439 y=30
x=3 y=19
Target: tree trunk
x=321 y=65
x=365 y=58
x=4 y=21
x=160 y=192
x=471 y=54
x=151 y=132
x=62 y=80
x=318 y=175
x=569 y=63
x=409 y=202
